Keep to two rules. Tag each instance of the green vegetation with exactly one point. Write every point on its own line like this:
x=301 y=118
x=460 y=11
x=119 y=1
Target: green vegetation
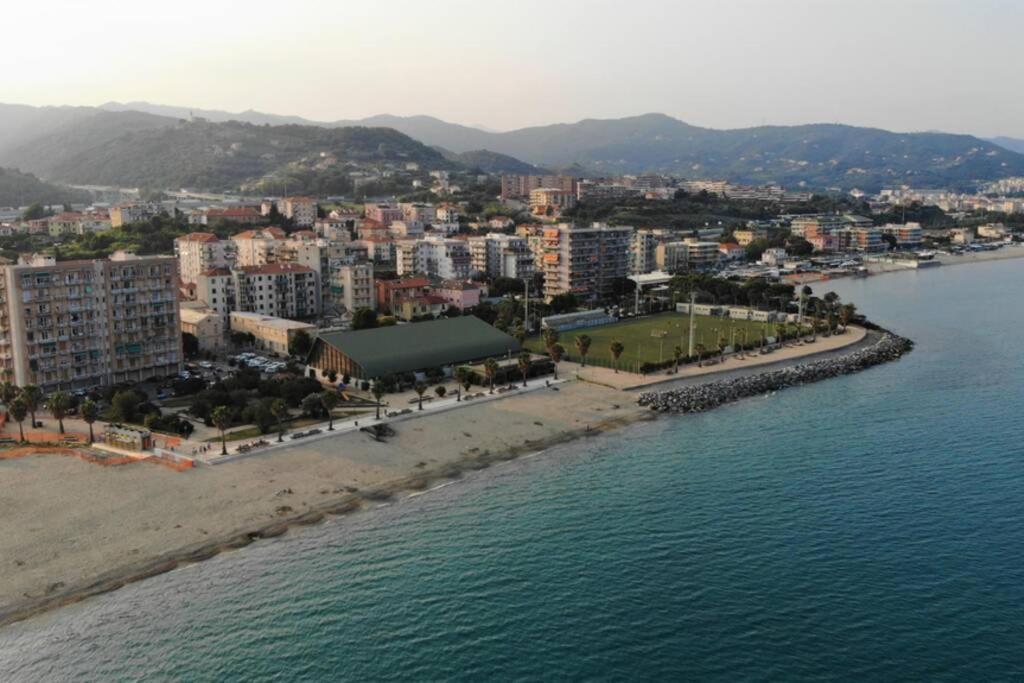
x=20 y=189
x=652 y=339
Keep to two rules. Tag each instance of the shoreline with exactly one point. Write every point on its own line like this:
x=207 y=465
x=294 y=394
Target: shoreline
x=583 y=418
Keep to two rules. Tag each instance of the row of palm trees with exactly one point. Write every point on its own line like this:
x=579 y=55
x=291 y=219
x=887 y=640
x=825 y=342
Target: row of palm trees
x=22 y=402
x=582 y=343
x=221 y=416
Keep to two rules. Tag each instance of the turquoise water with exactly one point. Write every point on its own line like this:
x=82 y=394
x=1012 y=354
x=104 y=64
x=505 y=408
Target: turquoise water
x=865 y=528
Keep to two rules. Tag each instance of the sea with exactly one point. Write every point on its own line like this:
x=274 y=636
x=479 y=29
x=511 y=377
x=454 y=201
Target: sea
x=864 y=528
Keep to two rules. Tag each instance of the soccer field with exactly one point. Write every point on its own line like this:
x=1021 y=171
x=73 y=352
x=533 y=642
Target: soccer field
x=651 y=339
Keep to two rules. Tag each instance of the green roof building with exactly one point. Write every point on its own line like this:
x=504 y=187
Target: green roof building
x=382 y=351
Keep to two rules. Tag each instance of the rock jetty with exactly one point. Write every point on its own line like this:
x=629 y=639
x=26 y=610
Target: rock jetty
x=696 y=399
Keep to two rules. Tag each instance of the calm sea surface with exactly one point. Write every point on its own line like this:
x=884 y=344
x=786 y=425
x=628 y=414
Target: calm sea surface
x=865 y=528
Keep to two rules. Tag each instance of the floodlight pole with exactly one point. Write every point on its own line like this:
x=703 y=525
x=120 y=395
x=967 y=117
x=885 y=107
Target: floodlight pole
x=692 y=323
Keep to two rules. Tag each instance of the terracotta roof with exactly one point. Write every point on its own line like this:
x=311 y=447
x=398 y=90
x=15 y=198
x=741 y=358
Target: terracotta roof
x=272 y=233
x=211 y=272
x=199 y=237
x=234 y=211
x=408 y=283
x=305 y=234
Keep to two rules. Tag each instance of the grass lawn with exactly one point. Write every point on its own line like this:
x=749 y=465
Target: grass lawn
x=289 y=425
x=636 y=335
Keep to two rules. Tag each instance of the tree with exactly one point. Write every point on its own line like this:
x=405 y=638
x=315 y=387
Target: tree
x=440 y=390
x=89 y=410
x=677 y=355
x=491 y=371
x=124 y=406
x=525 y=363
x=616 y=348
x=300 y=344
x=332 y=376
x=519 y=333
x=756 y=248
x=189 y=345
x=35 y=211
x=564 y=303
x=465 y=377
x=221 y=419
x=378 y=394
x=31 y=395
x=239 y=339
x=280 y=410
x=17 y=410
x=364 y=319
x=58 y=407
x=329 y=400
x=699 y=348
x=846 y=314
x=557 y=352
x=311 y=405
x=420 y=388
x=583 y=348
x=8 y=392
x=550 y=338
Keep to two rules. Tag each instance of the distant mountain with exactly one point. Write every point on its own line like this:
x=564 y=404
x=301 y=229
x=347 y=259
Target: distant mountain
x=21 y=189
x=1012 y=144
x=814 y=156
x=160 y=152
x=491 y=162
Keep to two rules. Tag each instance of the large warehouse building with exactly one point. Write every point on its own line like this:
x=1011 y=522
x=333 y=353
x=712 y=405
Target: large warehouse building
x=370 y=354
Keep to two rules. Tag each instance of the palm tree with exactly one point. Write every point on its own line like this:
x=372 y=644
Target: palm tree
x=832 y=300
x=90 y=411
x=846 y=314
x=780 y=329
x=420 y=388
x=58 y=407
x=8 y=392
x=525 y=363
x=221 y=419
x=280 y=411
x=329 y=400
x=31 y=395
x=465 y=377
x=550 y=337
x=378 y=394
x=583 y=348
x=520 y=334
x=616 y=348
x=491 y=371
x=699 y=348
x=557 y=352
x=17 y=410
x=677 y=355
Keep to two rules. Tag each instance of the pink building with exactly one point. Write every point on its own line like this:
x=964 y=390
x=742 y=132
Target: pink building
x=461 y=295
x=384 y=214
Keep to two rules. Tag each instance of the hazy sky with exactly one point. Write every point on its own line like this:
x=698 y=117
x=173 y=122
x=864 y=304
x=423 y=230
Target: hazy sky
x=898 y=64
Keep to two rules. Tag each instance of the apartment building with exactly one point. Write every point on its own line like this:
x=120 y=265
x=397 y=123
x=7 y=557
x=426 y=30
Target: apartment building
x=551 y=200
x=520 y=186
x=284 y=290
x=197 y=252
x=860 y=239
x=125 y=214
x=389 y=292
x=825 y=224
x=439 y=257
x=257 y=247
x=585 y=260
x=424 y=214
x=74 y=223
x=382 y=213
x=78 y=324
x=908 y=235
x=352 y=286
x=238 y=215
x=642 y=251
x=747 y=235
x=688 y=254
x=500 y=255
x=300 y=210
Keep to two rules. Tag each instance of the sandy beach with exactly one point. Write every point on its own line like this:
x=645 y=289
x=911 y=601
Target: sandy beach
x=76 y=529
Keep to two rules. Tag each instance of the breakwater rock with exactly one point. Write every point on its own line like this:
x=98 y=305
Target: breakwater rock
x=698 y=398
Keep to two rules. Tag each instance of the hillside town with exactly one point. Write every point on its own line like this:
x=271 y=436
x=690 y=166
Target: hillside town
x=392 y=294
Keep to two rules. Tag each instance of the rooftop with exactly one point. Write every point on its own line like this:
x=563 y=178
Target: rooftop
x=436 y=343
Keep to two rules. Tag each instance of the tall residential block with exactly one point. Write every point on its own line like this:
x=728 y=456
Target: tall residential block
x=585 y=261
x=79 y=324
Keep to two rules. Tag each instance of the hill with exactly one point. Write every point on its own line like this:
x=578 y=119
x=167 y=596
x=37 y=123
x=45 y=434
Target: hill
x=1012 y=144
x=21 y=189
x=491 y=162
x=160 y=152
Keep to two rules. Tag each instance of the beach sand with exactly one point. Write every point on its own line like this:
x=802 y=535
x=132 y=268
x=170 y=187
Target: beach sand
x=74 y=528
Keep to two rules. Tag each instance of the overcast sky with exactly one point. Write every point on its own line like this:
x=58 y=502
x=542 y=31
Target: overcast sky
x=897 y=64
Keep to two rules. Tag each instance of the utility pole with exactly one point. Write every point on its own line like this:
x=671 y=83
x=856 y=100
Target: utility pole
x=526 y=313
